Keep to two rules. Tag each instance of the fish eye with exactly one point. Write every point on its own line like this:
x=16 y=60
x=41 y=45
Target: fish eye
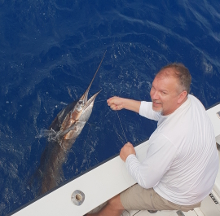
x=81 y=102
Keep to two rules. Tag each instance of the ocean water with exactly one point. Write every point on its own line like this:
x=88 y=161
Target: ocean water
x=49 y=51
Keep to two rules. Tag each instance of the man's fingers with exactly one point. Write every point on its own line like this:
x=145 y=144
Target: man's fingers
x=128 y=144
x=114 y=103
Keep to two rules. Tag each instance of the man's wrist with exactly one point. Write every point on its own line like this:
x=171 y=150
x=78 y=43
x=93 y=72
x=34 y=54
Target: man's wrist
x=129 y=157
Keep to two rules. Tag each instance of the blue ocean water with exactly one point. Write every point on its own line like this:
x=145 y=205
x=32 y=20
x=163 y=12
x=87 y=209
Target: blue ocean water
x=49 y=51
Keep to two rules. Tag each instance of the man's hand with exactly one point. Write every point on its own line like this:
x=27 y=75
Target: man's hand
x=126 y=150
x=118 y=103
x=115 y=103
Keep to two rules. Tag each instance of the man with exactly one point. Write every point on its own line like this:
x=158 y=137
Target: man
x=181 y=162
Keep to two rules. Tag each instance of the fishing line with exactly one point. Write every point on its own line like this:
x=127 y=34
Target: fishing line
x=100 y=101
x=122 y=127
x=120 y=137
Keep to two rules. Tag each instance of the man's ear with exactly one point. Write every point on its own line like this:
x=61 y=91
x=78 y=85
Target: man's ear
x=182 y=97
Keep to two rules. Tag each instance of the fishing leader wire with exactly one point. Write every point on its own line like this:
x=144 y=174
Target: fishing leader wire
x=122 y=127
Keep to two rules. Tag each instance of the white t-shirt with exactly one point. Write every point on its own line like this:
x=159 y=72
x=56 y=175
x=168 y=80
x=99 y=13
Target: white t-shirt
x=182 y=161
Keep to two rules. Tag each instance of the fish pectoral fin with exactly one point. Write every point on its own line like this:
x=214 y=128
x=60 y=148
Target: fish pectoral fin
x=73 y=127
x=64 y=132
x=47 y=133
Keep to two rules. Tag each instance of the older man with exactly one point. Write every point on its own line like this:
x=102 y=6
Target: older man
x=181 y=162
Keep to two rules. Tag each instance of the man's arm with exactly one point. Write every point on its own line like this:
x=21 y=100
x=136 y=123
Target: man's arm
x=159 y=157
x=117 y=103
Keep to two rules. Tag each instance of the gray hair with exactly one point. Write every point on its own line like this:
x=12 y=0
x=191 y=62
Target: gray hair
x=180 y=72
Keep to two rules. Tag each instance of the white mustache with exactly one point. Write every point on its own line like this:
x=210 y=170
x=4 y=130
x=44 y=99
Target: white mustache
x=156 y=101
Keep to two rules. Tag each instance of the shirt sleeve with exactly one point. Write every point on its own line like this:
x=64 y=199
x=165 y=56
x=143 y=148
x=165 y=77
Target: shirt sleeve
x=147 y=111
x=160 y=155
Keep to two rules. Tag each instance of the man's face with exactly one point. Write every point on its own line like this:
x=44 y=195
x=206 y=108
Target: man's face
x=164 y=94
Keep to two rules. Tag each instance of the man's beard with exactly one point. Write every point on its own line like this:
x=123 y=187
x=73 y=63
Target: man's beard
x=157 y=109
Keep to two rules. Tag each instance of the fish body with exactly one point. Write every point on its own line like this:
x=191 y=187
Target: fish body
x=61 y=134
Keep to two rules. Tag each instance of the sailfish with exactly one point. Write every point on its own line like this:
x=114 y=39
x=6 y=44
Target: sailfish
x=61 y=134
